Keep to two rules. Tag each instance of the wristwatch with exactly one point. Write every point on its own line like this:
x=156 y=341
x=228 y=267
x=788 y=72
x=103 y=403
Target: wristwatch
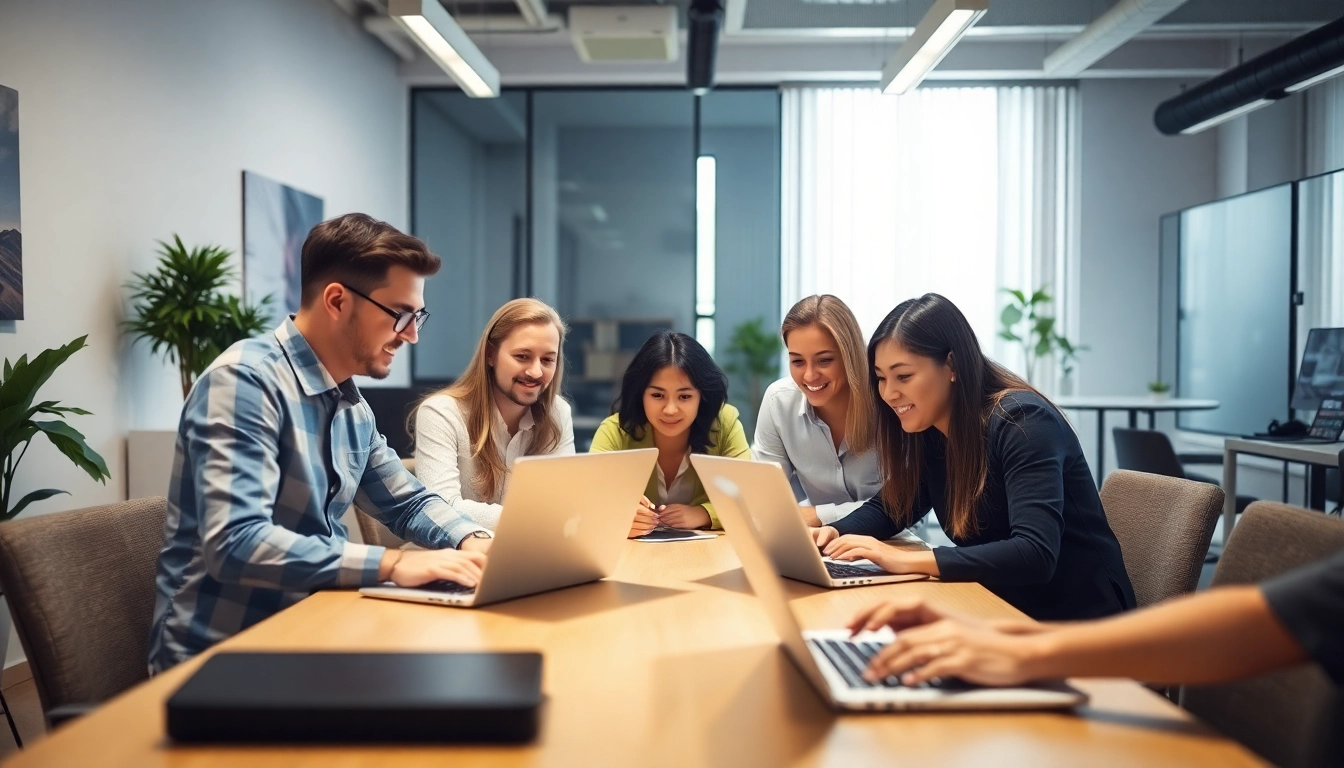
x=475 y=535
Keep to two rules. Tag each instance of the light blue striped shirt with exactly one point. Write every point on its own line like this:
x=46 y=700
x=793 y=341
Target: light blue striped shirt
x=271 y=452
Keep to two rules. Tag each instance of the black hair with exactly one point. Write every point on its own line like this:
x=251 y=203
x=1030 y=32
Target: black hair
x=669 y=348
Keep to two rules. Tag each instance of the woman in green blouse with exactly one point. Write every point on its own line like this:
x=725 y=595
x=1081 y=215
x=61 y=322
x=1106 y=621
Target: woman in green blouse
x=674 y=398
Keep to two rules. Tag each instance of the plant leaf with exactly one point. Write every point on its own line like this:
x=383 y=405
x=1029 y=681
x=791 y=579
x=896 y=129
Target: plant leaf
x=1011 y=316
x=1009 y=335
x=1039 y=297
x=71 y=442
x=45 y=493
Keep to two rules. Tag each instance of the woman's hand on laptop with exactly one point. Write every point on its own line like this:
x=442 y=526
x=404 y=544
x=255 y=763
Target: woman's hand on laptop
x=953 y=647
x=417 y=567
x=885 y=556
x=823 y=535
x=645 y=518
x=684 y=516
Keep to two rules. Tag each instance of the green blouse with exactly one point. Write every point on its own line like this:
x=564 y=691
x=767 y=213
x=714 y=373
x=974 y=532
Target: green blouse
x=726 y=438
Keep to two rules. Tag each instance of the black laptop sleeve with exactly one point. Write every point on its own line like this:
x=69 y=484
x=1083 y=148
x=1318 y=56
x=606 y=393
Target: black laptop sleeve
x=359 y=697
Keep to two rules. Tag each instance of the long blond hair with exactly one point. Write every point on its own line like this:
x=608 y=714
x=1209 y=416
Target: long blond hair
x=833 y=316
x=475 y=390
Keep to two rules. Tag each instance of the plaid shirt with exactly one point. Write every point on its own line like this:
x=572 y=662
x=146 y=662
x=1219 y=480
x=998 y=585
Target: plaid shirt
x=271 y=452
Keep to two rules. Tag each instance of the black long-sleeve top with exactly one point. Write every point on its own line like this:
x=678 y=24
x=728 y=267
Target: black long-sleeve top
x=1043 y=544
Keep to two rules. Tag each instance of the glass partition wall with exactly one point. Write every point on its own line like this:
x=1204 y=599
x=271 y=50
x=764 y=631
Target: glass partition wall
x=628 y=210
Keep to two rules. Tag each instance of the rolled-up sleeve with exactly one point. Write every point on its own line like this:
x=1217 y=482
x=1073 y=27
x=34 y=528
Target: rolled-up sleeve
x=401 y=502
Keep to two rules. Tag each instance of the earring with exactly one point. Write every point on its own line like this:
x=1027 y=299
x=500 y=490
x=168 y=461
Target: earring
x=954 y=377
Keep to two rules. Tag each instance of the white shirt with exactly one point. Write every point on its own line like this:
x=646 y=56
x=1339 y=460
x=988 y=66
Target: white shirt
x=443 y=453
x=791 y=434
x=682 y=490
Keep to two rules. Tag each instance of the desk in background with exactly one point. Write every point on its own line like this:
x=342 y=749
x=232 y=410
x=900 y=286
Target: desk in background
x=1317 y=457
x=671 y=663
x=1135 y=406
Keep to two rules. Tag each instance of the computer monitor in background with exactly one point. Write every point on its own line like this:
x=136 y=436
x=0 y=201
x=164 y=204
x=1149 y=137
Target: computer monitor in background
x=1321 y=374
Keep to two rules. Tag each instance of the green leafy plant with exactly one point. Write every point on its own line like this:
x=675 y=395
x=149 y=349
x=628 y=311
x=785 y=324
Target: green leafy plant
x=182 y=310
x=1159 y=387
x=1024 y=322
x=753 y=353
x=18 y=390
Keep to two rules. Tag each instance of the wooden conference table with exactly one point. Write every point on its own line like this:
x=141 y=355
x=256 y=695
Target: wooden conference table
x=671 y=663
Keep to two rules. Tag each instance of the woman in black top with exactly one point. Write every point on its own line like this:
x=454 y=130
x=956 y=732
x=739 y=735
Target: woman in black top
x=997 y=463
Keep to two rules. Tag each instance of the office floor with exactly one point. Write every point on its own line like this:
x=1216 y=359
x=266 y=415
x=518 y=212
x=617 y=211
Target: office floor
x=22 y=699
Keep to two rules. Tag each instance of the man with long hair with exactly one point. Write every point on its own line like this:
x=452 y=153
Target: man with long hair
x=275 y=444
x=505 y=405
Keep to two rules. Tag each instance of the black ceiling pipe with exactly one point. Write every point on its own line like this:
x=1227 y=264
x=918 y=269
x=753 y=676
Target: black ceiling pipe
x=1264 y=77
x=702 y=42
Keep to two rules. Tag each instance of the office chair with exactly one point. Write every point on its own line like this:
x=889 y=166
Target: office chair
x=1288 y=717
x=1150 y=451
x=80 y=587
x=1164 y=525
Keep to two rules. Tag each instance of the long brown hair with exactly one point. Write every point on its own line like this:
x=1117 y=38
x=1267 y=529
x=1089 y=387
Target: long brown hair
x=933 y=327
x=474 y=391
x=833 y=316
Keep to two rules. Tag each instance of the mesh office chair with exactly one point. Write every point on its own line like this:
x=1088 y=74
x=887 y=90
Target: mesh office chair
x=1290 y=717
x=1150 y=451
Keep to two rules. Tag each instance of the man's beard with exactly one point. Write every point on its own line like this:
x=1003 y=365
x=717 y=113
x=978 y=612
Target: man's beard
x=366 y=359
x=508 y=391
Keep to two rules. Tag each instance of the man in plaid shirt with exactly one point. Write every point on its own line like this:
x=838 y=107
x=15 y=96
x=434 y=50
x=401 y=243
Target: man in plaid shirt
x=275 y=444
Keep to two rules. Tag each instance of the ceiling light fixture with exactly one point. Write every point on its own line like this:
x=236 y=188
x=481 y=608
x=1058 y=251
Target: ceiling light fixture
x=934 y=36
x=433 y=29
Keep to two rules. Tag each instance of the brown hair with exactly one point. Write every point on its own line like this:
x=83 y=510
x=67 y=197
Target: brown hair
x=833 y=316
x=475 y=391
x=357 y=249
x=933 y=327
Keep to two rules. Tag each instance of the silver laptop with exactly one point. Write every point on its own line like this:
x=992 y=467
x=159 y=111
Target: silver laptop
x=833 y=661
x=788 y=540
x=564 y=522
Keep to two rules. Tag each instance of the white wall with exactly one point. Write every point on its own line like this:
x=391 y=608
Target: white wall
x=137 y=119
x=1131 y=174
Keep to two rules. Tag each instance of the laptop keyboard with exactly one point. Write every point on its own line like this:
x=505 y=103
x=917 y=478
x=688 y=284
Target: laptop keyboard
x=850 y=658
x=447 y=587
x=843 y=571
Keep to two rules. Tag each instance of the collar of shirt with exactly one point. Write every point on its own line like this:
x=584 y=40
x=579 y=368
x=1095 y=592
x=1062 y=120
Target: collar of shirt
x=676 y=490
x=525 y=425
x=806 y=411
x=314 y=379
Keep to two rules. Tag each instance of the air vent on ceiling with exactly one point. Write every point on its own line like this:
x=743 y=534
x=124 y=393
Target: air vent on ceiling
x=624 y=33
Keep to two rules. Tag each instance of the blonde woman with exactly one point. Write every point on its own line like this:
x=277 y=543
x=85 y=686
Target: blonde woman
x=818 y=423
x=505 y=405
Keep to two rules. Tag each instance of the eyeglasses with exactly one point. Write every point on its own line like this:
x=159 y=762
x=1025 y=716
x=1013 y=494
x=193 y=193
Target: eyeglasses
x=399 y=319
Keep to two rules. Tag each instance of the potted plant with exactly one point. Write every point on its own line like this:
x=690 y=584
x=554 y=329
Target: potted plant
x=18 y=425
x=1159 y=390
x=753 y=353
x=1023 y=322
x=182 y=310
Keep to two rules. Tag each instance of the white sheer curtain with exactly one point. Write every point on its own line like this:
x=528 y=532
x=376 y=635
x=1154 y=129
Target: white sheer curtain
x=1321 y=212
x=960 y=191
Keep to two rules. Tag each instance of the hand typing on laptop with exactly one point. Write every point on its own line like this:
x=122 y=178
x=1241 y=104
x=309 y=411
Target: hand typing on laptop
x=412 y=568
x=933 y=643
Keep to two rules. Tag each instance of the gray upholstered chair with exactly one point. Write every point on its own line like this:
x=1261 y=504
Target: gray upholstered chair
x=374 y=532
x=1164 y=525
x=80 y=587
x=1290 y=717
